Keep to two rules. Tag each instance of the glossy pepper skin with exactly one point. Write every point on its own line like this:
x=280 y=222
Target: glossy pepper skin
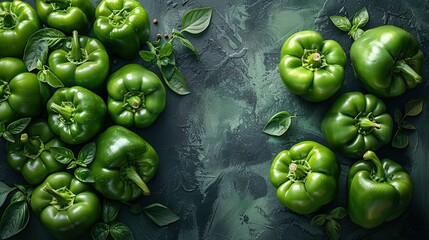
x=18 y=21
x=66 y=15
x=387 y=61
x=378 y=191
x=124 y=162
x=312 y=67
x=356 y=123
x=30 y=153
x=76 y=114
x=306 y=176
x=83 y=61
x=66 y=207
x=123 y=26
x=21 y=93
x=136 y=96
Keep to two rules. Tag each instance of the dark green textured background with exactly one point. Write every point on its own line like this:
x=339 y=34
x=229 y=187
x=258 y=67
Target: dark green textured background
x=214 y=158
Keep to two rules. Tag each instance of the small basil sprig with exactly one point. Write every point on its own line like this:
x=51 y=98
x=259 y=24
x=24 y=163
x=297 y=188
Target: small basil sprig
x=85 y=156
x=354 y=28
x=158 y=213
x=36 y=54
x=278 y=124
x=110 y=225
x=14 y=128
x=333 y=227
x=194 y=22
x=412 y=108
x=16 y=216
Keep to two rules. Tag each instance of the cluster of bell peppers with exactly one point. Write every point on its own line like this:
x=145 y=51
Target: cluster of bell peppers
x=94 y=105
x=386 y=61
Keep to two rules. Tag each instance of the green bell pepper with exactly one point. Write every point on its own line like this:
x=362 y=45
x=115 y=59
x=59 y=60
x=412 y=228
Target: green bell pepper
x=76 y=114
x=124 y=162
x=66 y=15
x=378 y=191
x=306 y=176
x=66 y=207
x=30 y=153
x=81 y=62
x=122 y=25
x=356 y=123
x=387 y=61
x=311 y=67
x=18 y=21
x=136 y=96
x=21 y=94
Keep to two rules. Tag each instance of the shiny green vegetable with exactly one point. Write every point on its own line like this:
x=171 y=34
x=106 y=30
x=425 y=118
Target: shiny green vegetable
x=306 y=176
x=356 y=123
x=136 y=96
x=18 y=21
x=378 y=191
x=30 y=153
x=124 y=162
x=312 y=67
x=66 y=207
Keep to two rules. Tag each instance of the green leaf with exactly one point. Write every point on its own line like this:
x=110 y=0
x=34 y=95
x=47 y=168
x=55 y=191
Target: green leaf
x=50 y=78
x=356 y=34
x=136 y=209
x=185 y=42
x=4 y=192
x=15 y=218
x=318 y=220
x=333 y=229
x=397 y=115
x=341 y=22
x=413 y=107
x=167 y=71
x=338 y=213
x=62 y=154
x=147 y=56
x=8 y=136
x=361 y=18
x=196 y=20
x=400 y=140
x=72 y=165
x=87 y=154
x=19 y=196
x=19 y=125
x=176 y=82
x=407 y=125
x=84 y=175
x=2 y=127
x=100 y=231
x=278 y=124
x=177 y=33
x=110 y=210
x=165 y=50
x=160 y=214
x=120 y=231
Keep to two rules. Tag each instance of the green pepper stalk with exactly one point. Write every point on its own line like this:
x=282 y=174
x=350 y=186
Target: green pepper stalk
x=378 y=191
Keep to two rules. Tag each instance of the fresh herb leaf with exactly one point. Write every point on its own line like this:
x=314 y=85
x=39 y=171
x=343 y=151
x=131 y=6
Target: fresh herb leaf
x=165 y=50
x=110 y=210
x=4 y=192
x=196 y=20
x=120 y=231
x=45 y=75
x=84 y=175
x=341 y=22
x=19 y=125
x=361 y=18
x=338 y=213
x=354 y=30
x=62 y=154
x=413 y=107
x=185 y=42
x=87 y=154
x=177 y=82
x=14 y=219
x=400 y=140
x=147 y=56
x=8 y=136
x=333 y=229
x=278 y=124
x=100 y=231
x=160 y=214
x=318 y=220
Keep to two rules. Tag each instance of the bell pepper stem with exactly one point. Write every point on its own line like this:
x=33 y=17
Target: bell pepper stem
x=9 y=20
x=403 y=67
x=297 y=170
x=134 y=102
x=65 y=112
x=366 y=123
x=76 y=52
x=371 y=156
x=63 y=198
x=131 y=174
x=62 y=4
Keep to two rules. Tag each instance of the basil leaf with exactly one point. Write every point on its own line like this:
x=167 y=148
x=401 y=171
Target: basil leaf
x=185 y=42
x=19 y=196
x=341 y=22
x=160 y=214
x=400 y=140
x=196 y=20
x=72 y=165
x=333 y=229
x=338 y=213
x=110 y=210
x=361 y=18
x=278 y=124
x=147 y=56
x=19 y=125
x=177 y=33
x=84 y=175
x=397 y=115
x=121 y=231
x=8 y=136
x=356 y=34
x=318 y=220
x=100 y=231
x=136 y=209
x=165 y=50
x=407 y=125
x=87 y=154
x=4 y=192
x=62 y=154
x=50 y=78
x=414 y=107
x=176 y=82
x=2 y=127
x=167 y=71
x=15 y=218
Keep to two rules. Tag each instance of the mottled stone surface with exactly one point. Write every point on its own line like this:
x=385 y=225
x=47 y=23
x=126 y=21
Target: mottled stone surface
x=215 y=160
